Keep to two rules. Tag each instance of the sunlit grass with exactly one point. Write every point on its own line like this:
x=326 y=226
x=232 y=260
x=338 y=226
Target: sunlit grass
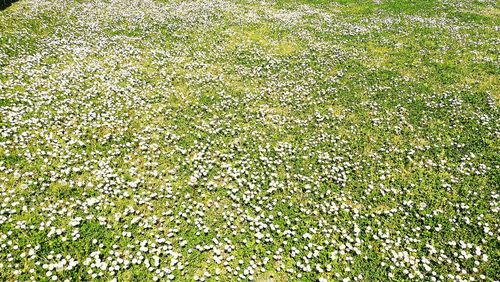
x=217 y=140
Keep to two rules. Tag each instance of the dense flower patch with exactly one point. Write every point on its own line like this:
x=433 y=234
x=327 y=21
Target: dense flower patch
x=217 y=140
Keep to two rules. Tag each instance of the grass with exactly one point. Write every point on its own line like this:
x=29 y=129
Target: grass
x=222 y=140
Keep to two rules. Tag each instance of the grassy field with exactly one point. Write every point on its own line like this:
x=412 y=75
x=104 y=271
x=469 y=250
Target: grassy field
x=236 y=140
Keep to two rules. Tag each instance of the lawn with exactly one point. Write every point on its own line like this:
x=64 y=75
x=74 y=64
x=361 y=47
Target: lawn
x=237 y=140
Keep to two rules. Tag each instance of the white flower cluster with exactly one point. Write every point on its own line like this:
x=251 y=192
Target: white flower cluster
x=217 y=140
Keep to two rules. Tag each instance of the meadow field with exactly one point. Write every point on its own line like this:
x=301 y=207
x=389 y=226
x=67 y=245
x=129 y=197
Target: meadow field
x=250 y=140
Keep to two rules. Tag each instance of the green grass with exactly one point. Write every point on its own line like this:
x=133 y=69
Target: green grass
x=270 y=141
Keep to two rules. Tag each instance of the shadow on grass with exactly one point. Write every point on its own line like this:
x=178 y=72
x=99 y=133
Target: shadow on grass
x=4 y=4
